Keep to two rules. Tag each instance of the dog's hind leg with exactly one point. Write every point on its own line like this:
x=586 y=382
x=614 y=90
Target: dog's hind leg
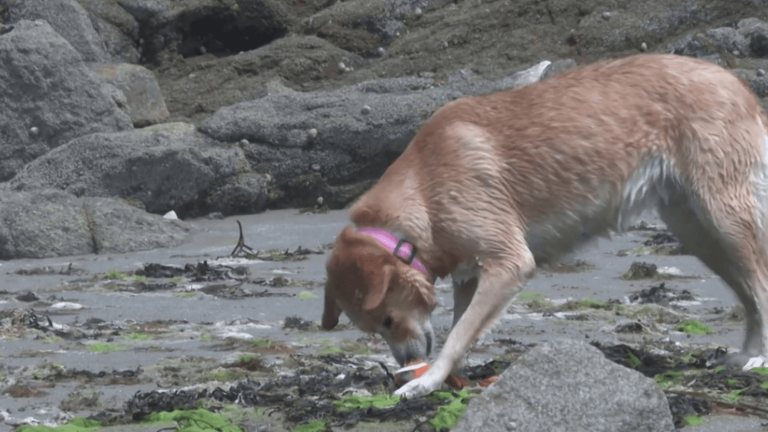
x=727 y=239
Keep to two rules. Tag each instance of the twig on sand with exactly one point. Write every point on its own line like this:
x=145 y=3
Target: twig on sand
x=243 y=248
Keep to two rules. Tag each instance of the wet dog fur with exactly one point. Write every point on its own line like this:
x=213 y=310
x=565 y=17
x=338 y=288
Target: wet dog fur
x=491 y=185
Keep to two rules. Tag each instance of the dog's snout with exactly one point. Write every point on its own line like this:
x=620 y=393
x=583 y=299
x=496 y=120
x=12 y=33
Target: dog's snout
x=418 y=346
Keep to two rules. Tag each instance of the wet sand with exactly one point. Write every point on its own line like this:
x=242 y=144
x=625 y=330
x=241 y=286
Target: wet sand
x=104 y=319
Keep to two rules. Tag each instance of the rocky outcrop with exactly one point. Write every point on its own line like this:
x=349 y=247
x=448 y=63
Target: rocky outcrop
x=308 y=141
x=117 y=28
x=366 y=27
x=293 y=62
x=68 y=19
x=144 y=101
x=749 y=37
x=164 y=167
x=298 y=103
x=568 y=385
x=49 y=96
x=170 y=29
x=54 y=223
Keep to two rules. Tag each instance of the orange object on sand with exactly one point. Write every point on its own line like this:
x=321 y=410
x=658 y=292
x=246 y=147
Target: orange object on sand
x=410 y=371
x=457 y=382
x=488 y=381
x=416 y=369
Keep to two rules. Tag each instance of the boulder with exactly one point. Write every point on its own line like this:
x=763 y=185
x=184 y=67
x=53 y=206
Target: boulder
x=165 y=167
x=568 y=385
x=187 y=28
x=53 y=223
x=117 y=28
x=366 y=27
x=749 y=37
x=200 y=85
x=756 y=31
x=49 y=96
x=758 y=84
x=310 y=141
x=69 y=19
x=143 y=99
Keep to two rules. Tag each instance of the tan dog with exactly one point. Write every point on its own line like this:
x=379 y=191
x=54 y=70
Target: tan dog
x=491 y=183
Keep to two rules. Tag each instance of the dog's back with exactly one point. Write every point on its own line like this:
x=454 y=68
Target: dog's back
x=579 y=154
x=489 y=183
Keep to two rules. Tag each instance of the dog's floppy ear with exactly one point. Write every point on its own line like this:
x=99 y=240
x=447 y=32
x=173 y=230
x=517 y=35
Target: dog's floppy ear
x=378 y=284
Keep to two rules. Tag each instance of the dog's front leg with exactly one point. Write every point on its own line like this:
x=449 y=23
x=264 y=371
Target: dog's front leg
x=497 y=286
x=463 y=291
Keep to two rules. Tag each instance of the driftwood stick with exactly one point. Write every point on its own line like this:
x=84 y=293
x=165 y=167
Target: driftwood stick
x=241 y=246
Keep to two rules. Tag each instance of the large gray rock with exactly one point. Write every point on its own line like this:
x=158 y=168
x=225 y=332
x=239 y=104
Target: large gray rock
x=345 y=136
x=117 y=28
x=166 y=167
x=48 y=96
x=366 y=27
x=54 y=223
x=749 y=37
x=758 y=84
x=144 y=101
x=68 y=18
x=568 y=385
x=757 y=32
x=173 y=28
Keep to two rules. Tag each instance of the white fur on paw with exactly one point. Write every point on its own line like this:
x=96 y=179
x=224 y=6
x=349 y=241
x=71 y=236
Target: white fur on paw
x=755 y=362
x=418 y=387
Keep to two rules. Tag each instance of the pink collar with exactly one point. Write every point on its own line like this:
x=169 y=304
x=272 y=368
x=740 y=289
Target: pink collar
x=401 y=248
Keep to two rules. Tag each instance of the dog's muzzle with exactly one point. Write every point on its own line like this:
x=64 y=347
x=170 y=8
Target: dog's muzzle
x=419 y=348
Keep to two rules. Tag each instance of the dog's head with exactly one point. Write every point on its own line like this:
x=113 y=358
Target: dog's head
x=380 y=294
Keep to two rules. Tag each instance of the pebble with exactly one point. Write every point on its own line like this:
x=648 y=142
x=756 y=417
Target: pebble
x=191 y=75
x=643 y=47
x=736 y=53
x=34 y=130
x=417 y=11
x=381 y=51
x=320 y=200
x=202 y=50
x=244 y=142
x=365 y=110
x=342 y=66
x=315 y=167
x=171 y=215
x=607 y=15
x=760 y=72
x=312 y=133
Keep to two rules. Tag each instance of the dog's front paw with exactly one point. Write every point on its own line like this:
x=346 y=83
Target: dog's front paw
x=420 y=386
x=755 y=362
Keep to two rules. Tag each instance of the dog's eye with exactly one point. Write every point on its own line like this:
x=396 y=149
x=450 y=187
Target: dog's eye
x=388 y=323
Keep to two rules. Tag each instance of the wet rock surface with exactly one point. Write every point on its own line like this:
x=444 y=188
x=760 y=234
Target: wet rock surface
x=164 y=167
x=567 y=395
x=319 y=95
x=51 y=223
x=49 y=96
x=230 y=328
